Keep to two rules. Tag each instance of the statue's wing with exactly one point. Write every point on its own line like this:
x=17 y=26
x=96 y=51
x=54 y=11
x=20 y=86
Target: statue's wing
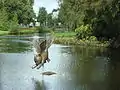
x=49 y=40
x=43 y=45
x=49 y=43
x=37 y=43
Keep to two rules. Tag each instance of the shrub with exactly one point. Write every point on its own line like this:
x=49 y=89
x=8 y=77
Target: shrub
x=13 y=26
x=93 y=38
x=4 y=26
x=84 y=31
x=3 y=20
x=41 y=29
x=8 y=25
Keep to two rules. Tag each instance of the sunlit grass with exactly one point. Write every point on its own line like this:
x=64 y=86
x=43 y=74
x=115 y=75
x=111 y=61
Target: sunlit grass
x=64 y=34
x=3 y=32
x=27 y=31
x=21 y=31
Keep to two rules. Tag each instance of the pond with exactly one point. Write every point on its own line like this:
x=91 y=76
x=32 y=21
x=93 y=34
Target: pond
x=76 y=68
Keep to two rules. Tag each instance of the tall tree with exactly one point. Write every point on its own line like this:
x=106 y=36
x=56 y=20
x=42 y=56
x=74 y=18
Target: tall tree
x=23 y=9
x=42 y=16
x=101 y=15
x=14 y=12
x=50 y=22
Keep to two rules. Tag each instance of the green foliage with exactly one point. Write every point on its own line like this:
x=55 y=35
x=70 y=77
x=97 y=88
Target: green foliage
x=64 y=34
x=47 y=20
x=27 y=30
x=106 y=25
x=6 y=25
x=3 y=32
x=92 y=38
x=84 y=31
x=42 y=16
x=41 y=29
x=13 y=26
x=50 y=21
x=27 y=15
x=14 y=12
x=23 y=9
x=3 y=20
x=102 y=15
x=71 y=13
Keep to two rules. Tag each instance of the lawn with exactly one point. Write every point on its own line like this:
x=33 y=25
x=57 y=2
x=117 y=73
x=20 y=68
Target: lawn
x=28 y=31
x=21 y=31
x=3 y=32
x=33 y=30
x=64 y=34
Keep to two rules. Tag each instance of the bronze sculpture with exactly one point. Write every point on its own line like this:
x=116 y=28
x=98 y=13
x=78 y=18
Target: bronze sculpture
x=41 y=55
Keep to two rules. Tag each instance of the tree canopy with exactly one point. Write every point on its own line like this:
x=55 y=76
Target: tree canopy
x=103 y=16
x=42 y=15
x=22 y=10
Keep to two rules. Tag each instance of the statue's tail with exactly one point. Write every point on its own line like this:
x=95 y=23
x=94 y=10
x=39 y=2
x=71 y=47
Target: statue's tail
x=50 y=40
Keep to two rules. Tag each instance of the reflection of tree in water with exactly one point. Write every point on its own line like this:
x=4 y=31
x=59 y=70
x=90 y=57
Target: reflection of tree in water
x=89 y=67
x=98 y=69
x=13 y=46
x=88 y=59
x=39 y=85
x=114 y=69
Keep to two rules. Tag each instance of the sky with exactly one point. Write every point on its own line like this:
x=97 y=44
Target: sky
x=48 y=4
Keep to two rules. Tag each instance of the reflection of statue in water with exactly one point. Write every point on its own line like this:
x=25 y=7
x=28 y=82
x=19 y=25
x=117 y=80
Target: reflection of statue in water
x=41 y=51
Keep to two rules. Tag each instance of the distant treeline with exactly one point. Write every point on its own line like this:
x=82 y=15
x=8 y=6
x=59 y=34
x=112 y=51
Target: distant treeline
x=17 y=13
x=97 y=18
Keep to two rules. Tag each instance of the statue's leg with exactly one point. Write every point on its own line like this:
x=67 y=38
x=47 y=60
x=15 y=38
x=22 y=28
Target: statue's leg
x=39 y=66
x=48 y=60
x=34 y=66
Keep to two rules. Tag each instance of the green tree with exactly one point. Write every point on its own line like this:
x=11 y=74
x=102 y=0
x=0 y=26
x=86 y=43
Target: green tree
x=15 y=12
x=23 y=9
x=42 y=16
x=101 y=15
x=50 y=22
x=3 y=20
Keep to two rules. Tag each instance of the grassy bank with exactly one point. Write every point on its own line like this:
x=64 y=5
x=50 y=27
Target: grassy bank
x=74 y=41
x=20 y=31
x=68 y=38
x=27 y=30
x=64 y=35
x=3 y=32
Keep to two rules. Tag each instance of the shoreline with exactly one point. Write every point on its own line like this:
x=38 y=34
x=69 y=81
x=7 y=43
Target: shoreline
x=67 y=40
x=74 y=41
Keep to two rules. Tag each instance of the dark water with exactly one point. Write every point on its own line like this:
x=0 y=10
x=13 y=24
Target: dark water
x=77 y=68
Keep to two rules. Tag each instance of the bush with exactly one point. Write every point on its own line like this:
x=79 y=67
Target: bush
x=84 y=31
x=39 y=29
x=8 y=25
x=3 y=20
x=93 y=38
x=42 y=29
x=4 y=26
x=13 y=26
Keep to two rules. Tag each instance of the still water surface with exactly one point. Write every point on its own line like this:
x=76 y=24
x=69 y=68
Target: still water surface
x=77 y=68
